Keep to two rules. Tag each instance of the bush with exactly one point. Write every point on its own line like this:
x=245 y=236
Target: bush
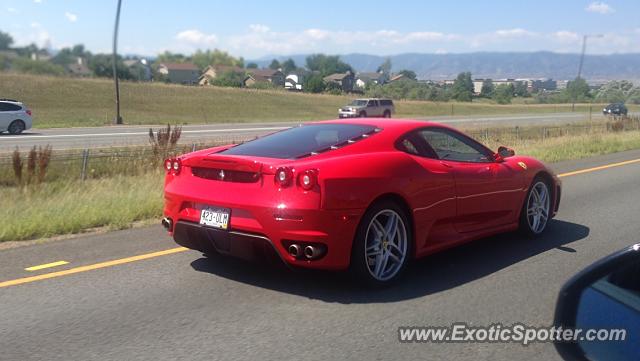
x=24 y=65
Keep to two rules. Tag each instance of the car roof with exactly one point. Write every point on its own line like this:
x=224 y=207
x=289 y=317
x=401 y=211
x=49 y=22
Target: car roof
x=12 y=101
x=392 y=128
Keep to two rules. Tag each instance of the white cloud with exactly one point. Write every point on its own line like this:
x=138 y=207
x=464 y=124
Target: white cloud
x=37 y=1
x=517 y=32
x=12 y=10
x=259 y=28
x=600 y=8
x=565 y=36
x=197 y=38
x=71 y=16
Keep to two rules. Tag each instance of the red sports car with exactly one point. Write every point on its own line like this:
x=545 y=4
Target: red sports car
x=367 y=195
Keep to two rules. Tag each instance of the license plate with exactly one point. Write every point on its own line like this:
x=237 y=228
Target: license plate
x=215 y=217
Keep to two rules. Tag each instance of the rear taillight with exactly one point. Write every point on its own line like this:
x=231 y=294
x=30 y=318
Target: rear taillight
x=308 y=179
x=284 y=176
x=173 y=166
x=29 y=112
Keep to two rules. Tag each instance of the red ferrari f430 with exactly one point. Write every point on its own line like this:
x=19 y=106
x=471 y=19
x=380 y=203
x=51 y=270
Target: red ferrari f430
x=367 y=195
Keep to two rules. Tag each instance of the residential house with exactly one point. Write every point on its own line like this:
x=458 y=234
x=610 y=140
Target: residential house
x=362 y=79
x=212 y=71
x=180 y=73
x=273 y=76
x=79 y=68
x=398 y=77
x=140 y=67
x=344 y=80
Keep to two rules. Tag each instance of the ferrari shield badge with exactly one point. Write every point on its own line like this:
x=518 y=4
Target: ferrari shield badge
x=523 y=165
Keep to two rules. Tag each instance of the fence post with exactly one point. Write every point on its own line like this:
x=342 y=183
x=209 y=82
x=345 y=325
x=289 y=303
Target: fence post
x=544 y=133
x=85 y=160
x=517 y=133
x=590 y=110
x=451 y=109
x=193 y=147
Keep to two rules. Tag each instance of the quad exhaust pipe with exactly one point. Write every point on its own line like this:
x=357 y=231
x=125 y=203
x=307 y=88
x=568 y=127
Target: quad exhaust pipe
x=295 y=251
x=167 y=223
x=308 y=252
x=312 y=252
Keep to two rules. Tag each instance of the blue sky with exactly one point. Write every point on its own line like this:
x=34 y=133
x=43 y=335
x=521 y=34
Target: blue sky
x=255 y=29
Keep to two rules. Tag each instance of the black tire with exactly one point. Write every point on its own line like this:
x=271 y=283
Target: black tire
x=526 y=224
x=362 y=114
x=387 y=114
x=360 y=267
x=16 y=127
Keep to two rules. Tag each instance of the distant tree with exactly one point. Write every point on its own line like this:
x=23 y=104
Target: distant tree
x=202 y=59
x=26 y=65
x=102 y=66
x=577 y=90
x=252 y=66
x=229 y=79
x=385 y=68
x=327 y=64
x=288 y=66
x=503 y=93
x=410 y=74
x=68 y=56
x=462 y=89
x=275 y=64
x=5 y=41
x=314 y=84
x=617 y=91
x=520 y=89
x=487 y=88
x=169 y=57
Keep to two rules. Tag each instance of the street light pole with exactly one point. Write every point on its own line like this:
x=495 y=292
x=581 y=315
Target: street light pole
x=584 y=49
x=118 y=119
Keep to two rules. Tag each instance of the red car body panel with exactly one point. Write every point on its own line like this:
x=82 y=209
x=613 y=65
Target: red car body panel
x=449 y=202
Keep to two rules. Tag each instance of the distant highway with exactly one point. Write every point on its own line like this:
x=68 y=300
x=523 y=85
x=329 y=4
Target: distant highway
x=95 y=137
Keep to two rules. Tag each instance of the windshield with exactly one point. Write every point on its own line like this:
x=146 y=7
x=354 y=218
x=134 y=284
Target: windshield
x=300 y=141
x=359 y=103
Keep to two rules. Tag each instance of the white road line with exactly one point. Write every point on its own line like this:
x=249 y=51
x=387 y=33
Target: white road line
x=20 y=137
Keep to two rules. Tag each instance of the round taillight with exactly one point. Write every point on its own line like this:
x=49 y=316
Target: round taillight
x=284 y=175
x=308 y=179
x=168 y=164
x=176 y=166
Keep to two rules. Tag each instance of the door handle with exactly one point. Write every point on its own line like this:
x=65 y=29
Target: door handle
x=446 y=165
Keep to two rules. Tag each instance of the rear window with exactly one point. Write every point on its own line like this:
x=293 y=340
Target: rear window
x=301 y=141
x=8 y=107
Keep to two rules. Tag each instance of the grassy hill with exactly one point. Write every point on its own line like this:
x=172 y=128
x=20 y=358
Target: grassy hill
x=62 y=102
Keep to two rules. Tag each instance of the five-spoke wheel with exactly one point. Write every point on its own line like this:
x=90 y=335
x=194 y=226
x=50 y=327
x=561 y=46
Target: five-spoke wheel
x=383 y=243
x=537 y=208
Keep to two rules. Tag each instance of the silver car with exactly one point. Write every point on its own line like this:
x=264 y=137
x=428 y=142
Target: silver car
x=363 y=108
x=15 y=117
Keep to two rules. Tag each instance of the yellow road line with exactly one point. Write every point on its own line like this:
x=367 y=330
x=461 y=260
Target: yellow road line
x=588 y=170
x=46 y=265
x=182 y=249
x=115 y=262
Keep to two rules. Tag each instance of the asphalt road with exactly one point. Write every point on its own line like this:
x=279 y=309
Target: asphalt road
x=184 y=306
x=81 y=138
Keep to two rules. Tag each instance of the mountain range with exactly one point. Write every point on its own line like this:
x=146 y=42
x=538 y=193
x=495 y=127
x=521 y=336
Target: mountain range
x=495 y=65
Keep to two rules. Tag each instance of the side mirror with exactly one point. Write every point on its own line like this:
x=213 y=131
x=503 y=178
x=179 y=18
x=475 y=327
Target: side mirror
x=506 y=152
x=603 y=303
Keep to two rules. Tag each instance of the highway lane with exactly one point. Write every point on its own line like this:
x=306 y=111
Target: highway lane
x=185 y=306
x=66 y=138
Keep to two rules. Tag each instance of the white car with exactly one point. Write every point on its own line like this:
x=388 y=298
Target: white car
x=14 y=117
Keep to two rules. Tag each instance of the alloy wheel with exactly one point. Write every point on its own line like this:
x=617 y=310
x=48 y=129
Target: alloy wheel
x=386 y=245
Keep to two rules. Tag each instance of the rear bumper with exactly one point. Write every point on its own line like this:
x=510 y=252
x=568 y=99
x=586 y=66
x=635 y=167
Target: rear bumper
x=238 y=244
x=255 y=231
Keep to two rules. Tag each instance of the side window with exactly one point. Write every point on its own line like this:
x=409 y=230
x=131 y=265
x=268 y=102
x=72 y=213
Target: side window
x=4 y=107
x=450 y=146
x=372 y=103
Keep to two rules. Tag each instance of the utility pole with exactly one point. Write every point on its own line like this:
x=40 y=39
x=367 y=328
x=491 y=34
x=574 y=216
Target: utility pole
x=584 y=49
x=118 y=119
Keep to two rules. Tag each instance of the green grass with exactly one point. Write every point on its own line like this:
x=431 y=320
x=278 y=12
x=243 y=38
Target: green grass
x=71 y=207
x=64 y=102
